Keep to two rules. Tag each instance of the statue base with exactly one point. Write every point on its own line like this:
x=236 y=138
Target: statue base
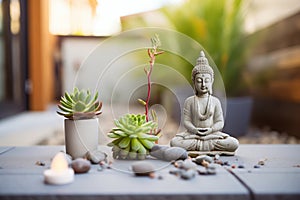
x=210 y=153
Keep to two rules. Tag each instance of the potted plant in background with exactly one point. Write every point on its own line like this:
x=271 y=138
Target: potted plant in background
x=80 y=109
x=218 y=25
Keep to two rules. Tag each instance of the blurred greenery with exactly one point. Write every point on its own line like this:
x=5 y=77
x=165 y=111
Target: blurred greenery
x=218 y=25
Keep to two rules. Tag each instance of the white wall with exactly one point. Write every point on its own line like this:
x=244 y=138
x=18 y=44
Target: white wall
x=84 y=68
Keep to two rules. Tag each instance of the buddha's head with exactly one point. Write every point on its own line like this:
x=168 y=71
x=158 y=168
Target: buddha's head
x=202 y=76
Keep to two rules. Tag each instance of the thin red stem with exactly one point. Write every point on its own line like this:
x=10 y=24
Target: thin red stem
x=152 y=60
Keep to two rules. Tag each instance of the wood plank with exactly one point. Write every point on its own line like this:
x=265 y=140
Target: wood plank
x=286 y=58
x=285 y=90
x=41 y=72
x=282 y=34
x=280 y=115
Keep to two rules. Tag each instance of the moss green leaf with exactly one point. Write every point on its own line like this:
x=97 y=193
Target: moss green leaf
x=79 y=106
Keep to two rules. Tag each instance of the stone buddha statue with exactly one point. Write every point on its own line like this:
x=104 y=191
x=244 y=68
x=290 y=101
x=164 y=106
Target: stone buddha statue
x=203 y=117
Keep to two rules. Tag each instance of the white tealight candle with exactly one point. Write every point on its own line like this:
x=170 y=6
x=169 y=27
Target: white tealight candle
x=59 y=172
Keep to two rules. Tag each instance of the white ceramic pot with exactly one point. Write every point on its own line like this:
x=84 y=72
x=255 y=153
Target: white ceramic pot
x=81 y=136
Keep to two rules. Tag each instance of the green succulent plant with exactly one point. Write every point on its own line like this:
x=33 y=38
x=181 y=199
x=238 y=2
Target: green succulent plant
x=80 y=104
x=133 y=137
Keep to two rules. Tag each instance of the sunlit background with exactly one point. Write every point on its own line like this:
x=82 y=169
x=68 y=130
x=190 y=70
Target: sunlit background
x=96 y=17
x=254 y=44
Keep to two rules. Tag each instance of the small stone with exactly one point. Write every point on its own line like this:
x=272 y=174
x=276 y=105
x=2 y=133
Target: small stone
x=96 y=156
x=157 y=151
x=256 y=166
x=102 y=163
x=176 y=172
x=226 y=163
x=261 y=162
x=202 y=171
x=160 y=177
x=188 y=164
x=40 y=163
x=105 y=165
x=204 y=163
x=219 y=162
x=173 y=162
x=69 y=158
x=152 y=175
x=189 y=174
x=211 y=166
x=81 y=165
x=241 y=166
x=200 y=158
x=175 y=153
x=100 y=168
x=211 y=169
x=217 y=157
x=142 y=168
x=178 y=163
x=168 y=153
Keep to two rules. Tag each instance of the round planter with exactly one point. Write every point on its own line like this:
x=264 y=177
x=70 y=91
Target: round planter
x=81 y=136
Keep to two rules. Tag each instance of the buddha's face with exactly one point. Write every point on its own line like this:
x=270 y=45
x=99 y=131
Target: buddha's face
x=203 y=83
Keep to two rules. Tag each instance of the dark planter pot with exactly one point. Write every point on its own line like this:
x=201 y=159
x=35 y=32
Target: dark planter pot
x=238 y=115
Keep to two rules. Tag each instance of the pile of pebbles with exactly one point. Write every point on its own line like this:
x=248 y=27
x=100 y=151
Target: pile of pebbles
x=83 y=165
x=189 y=168
x=186 y=168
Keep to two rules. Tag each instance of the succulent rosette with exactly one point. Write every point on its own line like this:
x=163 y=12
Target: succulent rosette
x=80 y=104
x=133 y=137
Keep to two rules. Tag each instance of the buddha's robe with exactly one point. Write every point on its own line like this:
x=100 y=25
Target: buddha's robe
x=204 y=112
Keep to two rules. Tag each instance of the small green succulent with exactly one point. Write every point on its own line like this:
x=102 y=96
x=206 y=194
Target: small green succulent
x=133 y=137
x=80 y=104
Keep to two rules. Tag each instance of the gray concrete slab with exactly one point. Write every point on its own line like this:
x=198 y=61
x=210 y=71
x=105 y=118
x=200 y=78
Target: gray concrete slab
x=20 y=177
x=5 y=149
x=278 y=178
x=272 y=185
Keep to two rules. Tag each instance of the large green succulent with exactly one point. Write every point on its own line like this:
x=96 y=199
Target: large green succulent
x=80 y=104
x=133 y=137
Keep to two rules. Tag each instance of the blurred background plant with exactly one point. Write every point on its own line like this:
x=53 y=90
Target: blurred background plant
x=218 y=25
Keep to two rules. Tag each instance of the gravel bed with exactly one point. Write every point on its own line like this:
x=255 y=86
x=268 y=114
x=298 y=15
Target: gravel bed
x=254 y=136
x=267 y=136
